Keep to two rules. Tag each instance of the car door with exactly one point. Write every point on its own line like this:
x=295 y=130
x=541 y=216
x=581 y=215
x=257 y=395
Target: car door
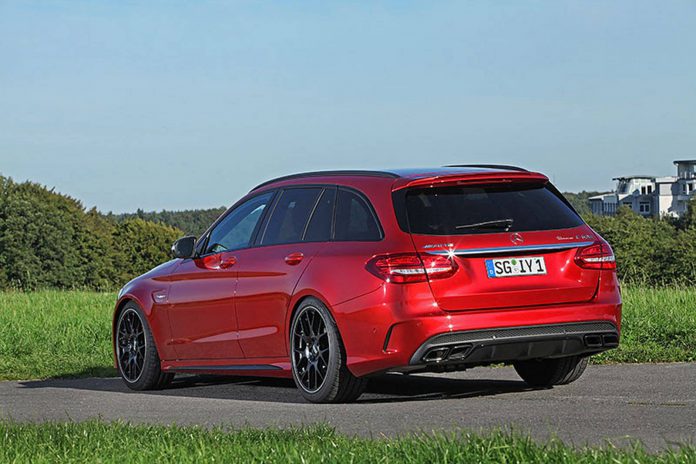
x=299 y=224
x=201 y=297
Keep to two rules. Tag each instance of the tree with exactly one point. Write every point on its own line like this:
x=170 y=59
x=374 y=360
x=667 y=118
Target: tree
x=191 y=222
x=689 y=218
x=39 y=236
x=140 y=245
x=644 y=248
x=48 y=240
x=581 y=201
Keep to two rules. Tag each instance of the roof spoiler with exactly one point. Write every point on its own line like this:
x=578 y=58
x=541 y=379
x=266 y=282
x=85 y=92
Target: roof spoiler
x=504 y=167
x=484 y=177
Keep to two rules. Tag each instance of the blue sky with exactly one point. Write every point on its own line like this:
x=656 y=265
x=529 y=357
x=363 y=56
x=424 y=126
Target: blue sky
x=177 y=105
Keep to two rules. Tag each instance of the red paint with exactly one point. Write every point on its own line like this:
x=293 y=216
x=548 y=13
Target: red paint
x=234 y=308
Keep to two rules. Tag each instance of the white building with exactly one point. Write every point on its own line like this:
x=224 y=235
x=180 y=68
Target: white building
x=650 y=195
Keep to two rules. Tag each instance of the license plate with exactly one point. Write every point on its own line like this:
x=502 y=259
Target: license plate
x=514 y=267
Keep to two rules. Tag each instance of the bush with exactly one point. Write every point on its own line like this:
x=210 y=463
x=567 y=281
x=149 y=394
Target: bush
x=48 y=240
x=649 y=251
x=139 y=245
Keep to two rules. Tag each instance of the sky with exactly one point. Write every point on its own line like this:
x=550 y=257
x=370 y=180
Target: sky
x=180 y=104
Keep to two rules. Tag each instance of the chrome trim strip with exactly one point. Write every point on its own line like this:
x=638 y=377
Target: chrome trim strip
x=513 y=249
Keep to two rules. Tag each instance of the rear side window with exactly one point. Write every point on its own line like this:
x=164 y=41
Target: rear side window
x=510 y=207
x=319 y=227
x=355 y=220
x=290 y=215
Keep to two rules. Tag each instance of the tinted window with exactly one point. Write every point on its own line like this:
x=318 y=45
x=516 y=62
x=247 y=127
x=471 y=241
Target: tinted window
x=237 y=228
x=487 y=209
x=354 y=218
x=319 y=227
x=290 y=215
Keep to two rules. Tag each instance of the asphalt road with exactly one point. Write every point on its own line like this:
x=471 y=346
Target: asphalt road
x=653 y=403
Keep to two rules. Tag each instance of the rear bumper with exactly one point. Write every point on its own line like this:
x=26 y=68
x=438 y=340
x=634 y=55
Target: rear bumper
x=485 y=337
x=455 y=349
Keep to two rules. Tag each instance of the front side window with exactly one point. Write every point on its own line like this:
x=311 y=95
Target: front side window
x=236 y=230
x=354 y=219
x=290 y=215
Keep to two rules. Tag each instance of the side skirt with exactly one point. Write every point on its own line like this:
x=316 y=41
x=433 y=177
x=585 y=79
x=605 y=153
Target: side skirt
x=260 y=367
x=237 y=367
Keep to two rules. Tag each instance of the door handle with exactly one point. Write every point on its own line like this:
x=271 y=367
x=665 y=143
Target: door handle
x=227 y=262
x=294 y=258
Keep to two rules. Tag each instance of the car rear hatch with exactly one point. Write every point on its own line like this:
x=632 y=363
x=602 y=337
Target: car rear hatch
x=513 y=238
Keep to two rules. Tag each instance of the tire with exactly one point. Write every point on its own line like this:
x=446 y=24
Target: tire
x=136 y=352
x=319 y=358
x=550 y=372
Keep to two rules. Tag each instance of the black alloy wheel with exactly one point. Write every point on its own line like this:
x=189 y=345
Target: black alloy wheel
x=319 y=357
x=137 y=358
x=131 y=345
x=311 y=349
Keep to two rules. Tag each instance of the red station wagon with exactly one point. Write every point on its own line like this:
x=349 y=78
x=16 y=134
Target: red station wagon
x=333 y=277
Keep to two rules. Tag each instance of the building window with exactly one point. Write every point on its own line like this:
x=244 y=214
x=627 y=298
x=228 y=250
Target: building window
x=684 y=188
x=650 y=189
x=643 y=190
x=644 y=207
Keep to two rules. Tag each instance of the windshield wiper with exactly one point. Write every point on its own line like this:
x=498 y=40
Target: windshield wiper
x=496 y=224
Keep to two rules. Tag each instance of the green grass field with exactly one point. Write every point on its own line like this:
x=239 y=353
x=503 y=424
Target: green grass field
x=55 y=334
x=659 y=325
x=67 y=334
x=118 y=442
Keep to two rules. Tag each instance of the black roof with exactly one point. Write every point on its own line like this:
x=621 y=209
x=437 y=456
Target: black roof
x=397 y=173
x=329 y=173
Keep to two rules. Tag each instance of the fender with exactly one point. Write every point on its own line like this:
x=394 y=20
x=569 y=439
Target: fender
x=141 y=290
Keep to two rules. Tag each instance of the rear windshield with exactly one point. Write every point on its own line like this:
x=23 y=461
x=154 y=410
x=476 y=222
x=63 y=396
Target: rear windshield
x=487 y=209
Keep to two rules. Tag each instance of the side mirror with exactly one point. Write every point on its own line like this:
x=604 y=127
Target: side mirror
x=184 y=247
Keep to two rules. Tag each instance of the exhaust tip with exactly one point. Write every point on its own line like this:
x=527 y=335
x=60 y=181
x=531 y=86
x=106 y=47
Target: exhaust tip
x=610 y=340
x=593 y=341
x=459 y=352
x=435 y=355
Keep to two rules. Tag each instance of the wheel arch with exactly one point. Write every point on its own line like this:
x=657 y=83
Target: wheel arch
x=295 y=304
x=300 y=298
x=120 y=305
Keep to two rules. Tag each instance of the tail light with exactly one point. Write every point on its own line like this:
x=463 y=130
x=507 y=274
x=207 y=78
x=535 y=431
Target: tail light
x=597 y=256
x=410 y=267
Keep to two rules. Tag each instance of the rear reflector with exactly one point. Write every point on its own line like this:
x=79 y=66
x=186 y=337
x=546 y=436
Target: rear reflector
x=410 y=267
x=597 y=256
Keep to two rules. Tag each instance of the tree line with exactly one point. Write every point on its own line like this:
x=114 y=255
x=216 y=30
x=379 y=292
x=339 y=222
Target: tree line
x=190 y=221
x=49 y=240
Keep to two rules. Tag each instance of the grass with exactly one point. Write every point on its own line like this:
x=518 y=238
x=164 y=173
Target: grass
x=55 y=334
x=659 y=325
x=119 y=442
x=68 y=334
